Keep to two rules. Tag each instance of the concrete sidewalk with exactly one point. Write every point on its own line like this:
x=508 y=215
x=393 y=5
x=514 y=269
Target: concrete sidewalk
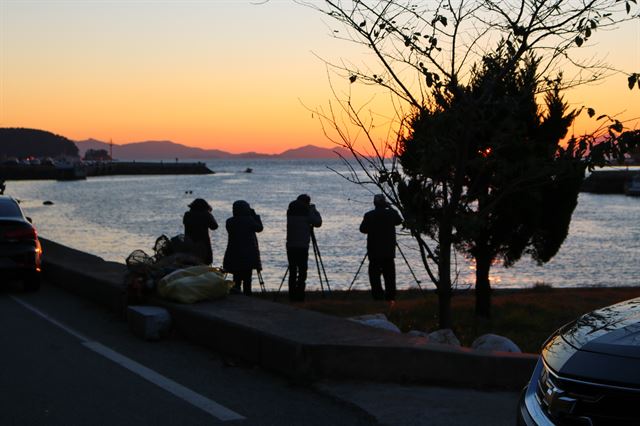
x=303 y=345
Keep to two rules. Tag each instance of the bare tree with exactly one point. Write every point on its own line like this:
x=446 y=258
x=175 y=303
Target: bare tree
x=424 y=55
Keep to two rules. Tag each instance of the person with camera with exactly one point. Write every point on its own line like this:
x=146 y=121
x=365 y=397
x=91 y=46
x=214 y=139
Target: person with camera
x=242 y=255
x=302 y=217
x=197 y=222
x=379 y=225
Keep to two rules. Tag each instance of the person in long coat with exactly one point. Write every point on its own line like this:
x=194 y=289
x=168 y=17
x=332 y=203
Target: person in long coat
x=197 y=222
x=380 y=226
x=243 y=254
x=302 y=217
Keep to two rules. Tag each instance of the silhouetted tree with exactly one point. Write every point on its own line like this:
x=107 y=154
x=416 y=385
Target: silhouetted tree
x=633 y=136
x=518 y=191
x=424 y=55
x=97 y=155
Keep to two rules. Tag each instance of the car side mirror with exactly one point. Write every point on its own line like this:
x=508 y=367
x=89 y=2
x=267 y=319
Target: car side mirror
x=29 y=219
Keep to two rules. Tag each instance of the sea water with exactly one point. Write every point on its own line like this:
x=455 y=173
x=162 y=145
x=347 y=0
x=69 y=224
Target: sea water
x=112 y=216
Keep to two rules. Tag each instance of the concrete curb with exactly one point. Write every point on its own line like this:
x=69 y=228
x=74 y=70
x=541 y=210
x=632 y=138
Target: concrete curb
x=85 y=274
x=301 y=344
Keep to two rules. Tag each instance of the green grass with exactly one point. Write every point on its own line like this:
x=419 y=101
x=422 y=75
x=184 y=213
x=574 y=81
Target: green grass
x=527 y=317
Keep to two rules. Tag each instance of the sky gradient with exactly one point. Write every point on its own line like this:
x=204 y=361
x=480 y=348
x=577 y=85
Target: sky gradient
x=229 y=75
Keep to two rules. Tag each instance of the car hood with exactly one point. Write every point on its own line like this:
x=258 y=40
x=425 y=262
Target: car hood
x=614 y=330
x=603 y=345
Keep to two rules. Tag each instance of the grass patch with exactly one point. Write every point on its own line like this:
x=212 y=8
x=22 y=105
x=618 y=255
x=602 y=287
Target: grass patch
x=527 y=316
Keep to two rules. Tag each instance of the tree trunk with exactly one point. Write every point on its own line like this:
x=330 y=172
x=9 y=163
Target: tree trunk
x=445 y=316
x=483 y=286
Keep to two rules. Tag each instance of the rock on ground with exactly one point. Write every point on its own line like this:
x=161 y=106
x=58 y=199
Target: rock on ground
x=376 y=320
x=493 y=342
x=444 y=336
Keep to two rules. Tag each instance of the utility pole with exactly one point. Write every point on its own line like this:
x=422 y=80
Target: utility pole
x=110 y=149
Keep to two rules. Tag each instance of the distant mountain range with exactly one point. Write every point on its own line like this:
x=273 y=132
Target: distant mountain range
x=171 y=150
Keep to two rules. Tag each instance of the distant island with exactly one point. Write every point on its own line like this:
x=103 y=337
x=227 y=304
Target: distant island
x=171 y=150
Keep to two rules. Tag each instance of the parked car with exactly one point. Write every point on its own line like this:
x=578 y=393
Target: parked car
x=20 y=250
x=589 y=372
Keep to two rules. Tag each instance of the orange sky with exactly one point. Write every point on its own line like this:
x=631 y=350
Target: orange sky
x=219 y=74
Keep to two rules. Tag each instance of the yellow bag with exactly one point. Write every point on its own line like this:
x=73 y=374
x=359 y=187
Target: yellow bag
x=193 y=284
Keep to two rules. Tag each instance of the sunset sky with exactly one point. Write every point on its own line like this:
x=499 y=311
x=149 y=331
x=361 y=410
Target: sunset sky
x=229 y=75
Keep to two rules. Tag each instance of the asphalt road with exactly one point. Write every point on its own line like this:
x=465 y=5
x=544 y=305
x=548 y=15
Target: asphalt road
x=67 y=361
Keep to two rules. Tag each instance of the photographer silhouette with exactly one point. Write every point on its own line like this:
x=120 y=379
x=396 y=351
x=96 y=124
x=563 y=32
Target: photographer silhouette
x=379 y=225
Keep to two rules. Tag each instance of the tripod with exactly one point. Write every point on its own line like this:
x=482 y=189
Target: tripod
x=319 y=263
x=405 y=261
x=357 y=273
x=261 y=281
x=319 y=266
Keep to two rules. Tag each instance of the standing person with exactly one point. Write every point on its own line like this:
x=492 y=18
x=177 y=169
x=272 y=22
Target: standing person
x=379 y=225
x=197 y=222
x=302 y=216
x=243 y=254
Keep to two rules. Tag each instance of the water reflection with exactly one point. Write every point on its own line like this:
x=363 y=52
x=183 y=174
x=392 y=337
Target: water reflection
x=602 y=321
x=114 y=215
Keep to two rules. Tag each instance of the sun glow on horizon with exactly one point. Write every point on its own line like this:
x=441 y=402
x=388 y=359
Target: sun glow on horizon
x=232 y=76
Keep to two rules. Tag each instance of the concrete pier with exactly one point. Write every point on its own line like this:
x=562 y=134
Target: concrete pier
x=608 y=181
x=147 y=168
x=82 y=171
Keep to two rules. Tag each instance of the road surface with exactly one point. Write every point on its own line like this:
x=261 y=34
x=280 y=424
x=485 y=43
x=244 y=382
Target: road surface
x=67 y=361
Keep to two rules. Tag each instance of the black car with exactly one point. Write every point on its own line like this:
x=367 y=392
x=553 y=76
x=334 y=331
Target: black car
x=20 y=251
x=589 y=372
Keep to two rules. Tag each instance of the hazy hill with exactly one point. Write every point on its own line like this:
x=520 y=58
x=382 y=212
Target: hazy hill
x=312 y=151
x=171 y=150
x=151 y=149
x=21 y=143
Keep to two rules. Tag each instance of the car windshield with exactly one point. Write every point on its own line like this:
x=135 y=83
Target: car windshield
x=9 y=208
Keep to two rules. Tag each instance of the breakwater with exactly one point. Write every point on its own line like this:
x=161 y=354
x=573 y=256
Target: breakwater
x=40 y=172
x=147 y=168
x=608 y=181
x=82 y=171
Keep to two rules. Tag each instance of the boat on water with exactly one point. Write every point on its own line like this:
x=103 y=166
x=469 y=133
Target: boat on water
x=633 y=186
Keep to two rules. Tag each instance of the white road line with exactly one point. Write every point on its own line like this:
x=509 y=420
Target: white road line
x=205 y=404
x=51 y=320
x=169 y=385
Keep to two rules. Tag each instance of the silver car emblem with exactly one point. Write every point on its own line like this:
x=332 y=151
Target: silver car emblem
x=557 y=401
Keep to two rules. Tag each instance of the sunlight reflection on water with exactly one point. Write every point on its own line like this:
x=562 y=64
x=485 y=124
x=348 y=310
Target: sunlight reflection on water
x=112 y=216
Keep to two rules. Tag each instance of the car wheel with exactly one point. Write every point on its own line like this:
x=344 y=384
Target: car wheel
x=31 y=282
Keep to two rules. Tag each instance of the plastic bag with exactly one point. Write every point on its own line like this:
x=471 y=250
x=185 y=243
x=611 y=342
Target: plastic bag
x=193 y=284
